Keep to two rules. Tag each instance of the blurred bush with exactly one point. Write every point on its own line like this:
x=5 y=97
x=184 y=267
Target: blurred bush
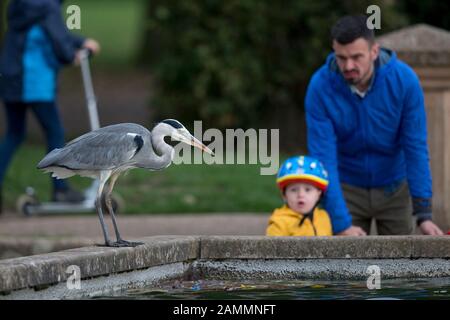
x=3 y=6
x=434 y=12
x=242 y=63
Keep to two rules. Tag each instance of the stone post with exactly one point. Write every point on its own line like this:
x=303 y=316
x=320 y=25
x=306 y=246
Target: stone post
x=427 y=50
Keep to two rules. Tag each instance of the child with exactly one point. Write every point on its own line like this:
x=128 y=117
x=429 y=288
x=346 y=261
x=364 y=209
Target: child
x=302 y=181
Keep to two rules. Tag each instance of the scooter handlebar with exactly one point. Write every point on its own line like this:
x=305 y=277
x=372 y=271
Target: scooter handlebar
x=87 y=53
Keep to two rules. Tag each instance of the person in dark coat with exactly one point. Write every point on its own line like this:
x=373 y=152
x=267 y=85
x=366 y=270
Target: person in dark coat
x=37 y=44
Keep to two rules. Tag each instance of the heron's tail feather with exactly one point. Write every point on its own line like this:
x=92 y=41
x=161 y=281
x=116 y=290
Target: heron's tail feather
x=59 y=172
x=52 y=158
x=53 y=163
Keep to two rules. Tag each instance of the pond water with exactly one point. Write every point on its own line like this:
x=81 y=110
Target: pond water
x=422 y=289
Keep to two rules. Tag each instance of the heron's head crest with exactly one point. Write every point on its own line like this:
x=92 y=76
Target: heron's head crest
x=182 y=134
x=173 y=123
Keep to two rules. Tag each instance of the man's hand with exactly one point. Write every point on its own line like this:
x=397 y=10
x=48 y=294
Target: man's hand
x=429 y=228
x=352 y=231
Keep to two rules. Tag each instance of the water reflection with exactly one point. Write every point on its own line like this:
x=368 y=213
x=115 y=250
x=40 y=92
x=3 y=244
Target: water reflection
x=422 y=289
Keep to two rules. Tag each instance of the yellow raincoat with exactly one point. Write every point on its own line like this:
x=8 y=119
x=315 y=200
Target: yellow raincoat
x=286 y=222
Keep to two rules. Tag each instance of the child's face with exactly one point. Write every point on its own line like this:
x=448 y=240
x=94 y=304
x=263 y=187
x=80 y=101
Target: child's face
x=301 y=197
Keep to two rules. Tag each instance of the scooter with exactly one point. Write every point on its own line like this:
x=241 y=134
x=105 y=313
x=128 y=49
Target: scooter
x=28 y=203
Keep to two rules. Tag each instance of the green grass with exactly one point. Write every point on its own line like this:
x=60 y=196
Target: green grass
x=177 y=189
x=117 y=25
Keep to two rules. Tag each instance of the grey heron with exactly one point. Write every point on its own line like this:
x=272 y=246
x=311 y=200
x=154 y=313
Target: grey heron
x=107 y=152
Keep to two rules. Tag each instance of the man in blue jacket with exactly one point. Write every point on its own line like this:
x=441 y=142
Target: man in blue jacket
x=366 y=122
x=37 y=43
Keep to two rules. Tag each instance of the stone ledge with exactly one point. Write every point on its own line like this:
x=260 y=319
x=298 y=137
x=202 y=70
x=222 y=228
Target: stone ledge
x=419 y=45
x=370 y=247
x=104 y=286
x=50 y=269
x=11 y=247
x=324 y=269
x=426 y=58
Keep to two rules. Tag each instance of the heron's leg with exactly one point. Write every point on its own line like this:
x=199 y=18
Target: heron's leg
x=104 y=176
x=120 y=242
x=108 y=203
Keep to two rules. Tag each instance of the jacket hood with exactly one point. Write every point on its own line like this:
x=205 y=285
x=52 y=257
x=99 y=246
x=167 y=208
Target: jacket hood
x=24 y=13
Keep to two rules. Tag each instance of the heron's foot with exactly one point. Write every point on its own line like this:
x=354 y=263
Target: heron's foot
x=125 y=243
x=109 y=243
x=122 y=243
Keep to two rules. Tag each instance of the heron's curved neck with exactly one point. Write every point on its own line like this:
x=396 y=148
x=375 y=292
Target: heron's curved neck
x=164 y=151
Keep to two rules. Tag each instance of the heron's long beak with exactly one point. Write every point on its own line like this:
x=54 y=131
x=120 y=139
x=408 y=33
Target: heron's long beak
x=190 y=139
x=196 y=143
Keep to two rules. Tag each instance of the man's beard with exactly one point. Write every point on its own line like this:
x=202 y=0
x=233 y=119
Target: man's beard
x=359 y=80
x=355 y=80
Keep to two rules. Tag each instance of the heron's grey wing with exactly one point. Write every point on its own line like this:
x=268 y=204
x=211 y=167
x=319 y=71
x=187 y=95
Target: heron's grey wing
x=96 y=150
x=119 y=129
